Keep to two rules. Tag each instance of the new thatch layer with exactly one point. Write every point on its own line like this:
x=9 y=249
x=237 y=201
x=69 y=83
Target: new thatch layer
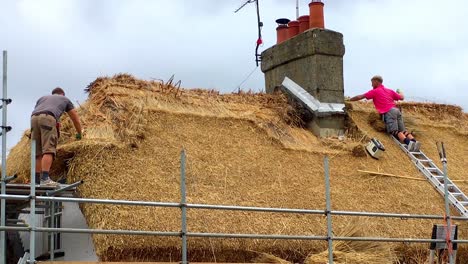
x=375 y=121
x=243 y=149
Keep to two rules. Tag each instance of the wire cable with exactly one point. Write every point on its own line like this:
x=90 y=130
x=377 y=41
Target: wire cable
x=239 y=87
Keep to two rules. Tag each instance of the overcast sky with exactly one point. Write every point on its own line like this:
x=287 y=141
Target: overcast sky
x=419 y=46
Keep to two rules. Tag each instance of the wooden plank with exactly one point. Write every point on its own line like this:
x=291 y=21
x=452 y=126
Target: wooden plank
x=459 y=180
x=398 y=176
x=25 y=189
x=391 y=175
x=28 y=186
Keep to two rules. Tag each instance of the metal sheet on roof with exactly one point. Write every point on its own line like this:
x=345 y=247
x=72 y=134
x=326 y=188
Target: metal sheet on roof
x=309 y=101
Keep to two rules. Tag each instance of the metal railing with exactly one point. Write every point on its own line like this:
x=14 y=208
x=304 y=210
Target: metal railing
x=3 y=180
x=184 y=234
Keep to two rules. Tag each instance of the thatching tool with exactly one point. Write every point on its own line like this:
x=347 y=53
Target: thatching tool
x=375 y=148
x=440 y=232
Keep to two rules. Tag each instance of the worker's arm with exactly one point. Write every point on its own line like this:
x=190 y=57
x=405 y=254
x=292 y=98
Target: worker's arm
x=76 y=120
x=358 y=97
x=402 y=96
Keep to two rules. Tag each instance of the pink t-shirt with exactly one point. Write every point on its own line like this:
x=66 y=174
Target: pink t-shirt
x=384 y=98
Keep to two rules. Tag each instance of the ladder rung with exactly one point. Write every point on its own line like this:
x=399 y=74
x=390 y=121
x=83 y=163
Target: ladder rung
x=424 y=160
x=416 y=153
x=432 y=169
x=449 y=185
x=457 y=194
x=463 y=203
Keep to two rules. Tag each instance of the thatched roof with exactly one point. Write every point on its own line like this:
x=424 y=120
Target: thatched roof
x=243 y=149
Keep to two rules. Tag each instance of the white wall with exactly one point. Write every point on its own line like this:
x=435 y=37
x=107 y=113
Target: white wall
x=77 y=247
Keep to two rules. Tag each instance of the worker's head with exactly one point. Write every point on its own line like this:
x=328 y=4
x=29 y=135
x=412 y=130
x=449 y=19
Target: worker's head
x=58 y=91
x=377 y=80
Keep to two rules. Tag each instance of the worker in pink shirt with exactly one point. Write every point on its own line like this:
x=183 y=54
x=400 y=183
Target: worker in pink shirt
x=384 y=101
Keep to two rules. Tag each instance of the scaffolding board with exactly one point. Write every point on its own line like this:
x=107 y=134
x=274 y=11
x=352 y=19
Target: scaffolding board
x=25 y=189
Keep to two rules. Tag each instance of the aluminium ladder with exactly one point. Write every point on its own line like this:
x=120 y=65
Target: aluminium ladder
x=436 y=177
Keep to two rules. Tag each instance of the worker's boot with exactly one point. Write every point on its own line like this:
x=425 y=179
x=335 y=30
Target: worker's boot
x=416 y=146
x=411 y=146
x=49 y=182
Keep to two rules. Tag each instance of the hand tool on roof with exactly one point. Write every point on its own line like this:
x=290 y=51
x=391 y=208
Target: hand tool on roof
x=375 y=148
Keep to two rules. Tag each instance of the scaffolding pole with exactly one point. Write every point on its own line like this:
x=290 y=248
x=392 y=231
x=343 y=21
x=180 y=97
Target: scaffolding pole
x=443 y=159
x=3 y=180
x=233 y=208
x=230 y=235
x=183 y=207
x=32 y=215
x=297 y=9
x=328 y=212
x=52 y=234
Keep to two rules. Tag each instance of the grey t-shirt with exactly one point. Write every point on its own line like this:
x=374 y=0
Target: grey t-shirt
x=54 y=104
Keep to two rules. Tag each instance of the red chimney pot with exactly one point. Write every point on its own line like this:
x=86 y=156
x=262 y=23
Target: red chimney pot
x=293 y=28
x=303 y=23
x=316 y=14
x=281 y=33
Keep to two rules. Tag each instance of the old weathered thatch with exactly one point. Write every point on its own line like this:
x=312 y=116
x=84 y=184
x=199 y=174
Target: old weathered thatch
x=356 y=252
x=243 y=149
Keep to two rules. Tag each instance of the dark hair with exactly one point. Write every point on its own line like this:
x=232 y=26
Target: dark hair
x=58 y=90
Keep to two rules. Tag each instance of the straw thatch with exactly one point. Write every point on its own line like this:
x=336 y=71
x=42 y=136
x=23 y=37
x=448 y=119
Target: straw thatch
x=356 y=252
x=21 y=154
x=375 y=120
x=243 y=149
x=359 y=151
x=269 y=258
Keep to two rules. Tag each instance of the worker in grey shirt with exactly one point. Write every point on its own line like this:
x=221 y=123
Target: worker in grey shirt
x=44 y=130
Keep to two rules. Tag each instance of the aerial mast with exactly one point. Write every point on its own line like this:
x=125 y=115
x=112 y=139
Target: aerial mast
x=259 y=25
x=297 y=9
